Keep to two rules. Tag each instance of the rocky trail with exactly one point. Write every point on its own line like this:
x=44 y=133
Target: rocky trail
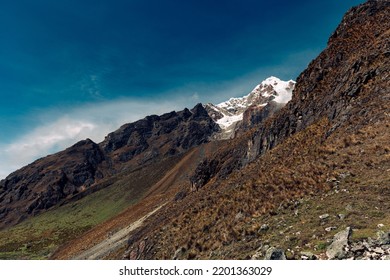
x=113 y=242
x=117 y=239
x=99 y=242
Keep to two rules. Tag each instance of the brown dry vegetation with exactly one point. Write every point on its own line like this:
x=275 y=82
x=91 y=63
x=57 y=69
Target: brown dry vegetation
x=326 y=151
x=163 y=191
x=287 y=189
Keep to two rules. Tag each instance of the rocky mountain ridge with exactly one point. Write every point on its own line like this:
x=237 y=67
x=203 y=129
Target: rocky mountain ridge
x=56 y=178
x=79 y=170
x=343 y=70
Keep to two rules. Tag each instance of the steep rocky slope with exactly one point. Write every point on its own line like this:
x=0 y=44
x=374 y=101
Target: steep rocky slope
x=50 y=180
x=173 y=186
x=326 y=151
x=155 y=136
x=87 y=167
x=352 y=67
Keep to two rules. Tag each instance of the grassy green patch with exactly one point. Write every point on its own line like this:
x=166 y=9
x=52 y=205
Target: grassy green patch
x=39 y=236
x=321 y=246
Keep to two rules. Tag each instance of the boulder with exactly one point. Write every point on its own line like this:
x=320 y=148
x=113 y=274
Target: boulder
x=383 y=238
x=275 y=254
x=340 y=241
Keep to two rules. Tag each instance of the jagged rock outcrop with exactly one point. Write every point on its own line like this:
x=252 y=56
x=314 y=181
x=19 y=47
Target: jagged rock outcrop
x=368 y=249
x=255 y=115
x=163 y=135
x=49 y=180
x=336 y=250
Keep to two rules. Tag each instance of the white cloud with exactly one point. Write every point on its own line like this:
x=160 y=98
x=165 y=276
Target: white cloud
x=43 y=140
x=59 y=131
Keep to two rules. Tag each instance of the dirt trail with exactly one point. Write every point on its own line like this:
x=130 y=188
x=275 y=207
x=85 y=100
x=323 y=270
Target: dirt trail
x=119 y=238
x=113 y=242
x=98 y=242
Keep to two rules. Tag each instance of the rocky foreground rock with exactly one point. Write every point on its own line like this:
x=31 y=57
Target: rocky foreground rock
x=368 y=249
x=341 y=248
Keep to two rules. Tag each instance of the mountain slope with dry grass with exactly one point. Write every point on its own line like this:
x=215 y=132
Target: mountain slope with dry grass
x=158 y=189
x=86 y=167
x=58 y=198
x=326 y=152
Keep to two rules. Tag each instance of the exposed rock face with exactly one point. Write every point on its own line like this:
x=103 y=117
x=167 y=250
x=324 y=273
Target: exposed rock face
x=213 y=112
x=369 y=249
x=49 y=180
x=155 y=136
x=350 y=72
x=340 y=241
x=256 y=115
x=58 y=177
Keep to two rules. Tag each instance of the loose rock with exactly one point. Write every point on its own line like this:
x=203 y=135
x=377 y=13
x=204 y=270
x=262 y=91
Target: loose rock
x=264 y=227
x=328 y=229
x=341 y=216
x=324 y=216
x=275 y=254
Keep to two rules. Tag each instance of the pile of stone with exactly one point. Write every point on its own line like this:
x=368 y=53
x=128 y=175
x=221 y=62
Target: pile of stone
x=368 y=249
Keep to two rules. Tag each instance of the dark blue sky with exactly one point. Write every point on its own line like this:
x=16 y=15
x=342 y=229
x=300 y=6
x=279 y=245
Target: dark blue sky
x=59 y=56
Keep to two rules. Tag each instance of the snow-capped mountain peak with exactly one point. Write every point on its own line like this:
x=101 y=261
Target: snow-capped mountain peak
x=228 y=113
x=272 y=86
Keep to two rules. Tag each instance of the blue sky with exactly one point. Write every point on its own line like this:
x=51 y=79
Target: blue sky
x=75 y=69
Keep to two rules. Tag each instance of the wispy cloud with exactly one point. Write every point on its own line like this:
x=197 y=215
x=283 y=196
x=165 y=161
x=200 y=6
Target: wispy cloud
x=43 y=140
x=59 y=131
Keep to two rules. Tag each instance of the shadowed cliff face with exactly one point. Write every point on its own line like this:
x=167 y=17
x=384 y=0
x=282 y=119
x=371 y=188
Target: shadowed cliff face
x=352 y=69
x=165 y=135
x=59 y=177
x=256 y=115
x=335 y=123
x=49 y=180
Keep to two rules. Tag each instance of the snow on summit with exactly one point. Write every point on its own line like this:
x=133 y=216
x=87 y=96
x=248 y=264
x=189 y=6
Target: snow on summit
x=274 y=88
x=227 y=113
